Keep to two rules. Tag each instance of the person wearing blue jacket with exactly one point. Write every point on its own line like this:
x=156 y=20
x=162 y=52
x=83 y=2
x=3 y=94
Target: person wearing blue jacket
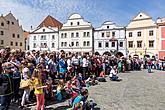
x=62 y=65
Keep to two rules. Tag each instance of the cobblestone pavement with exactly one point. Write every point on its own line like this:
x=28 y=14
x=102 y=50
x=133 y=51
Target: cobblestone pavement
x=138 y=90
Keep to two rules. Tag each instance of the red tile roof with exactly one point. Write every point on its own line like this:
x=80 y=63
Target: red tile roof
x=50 y=21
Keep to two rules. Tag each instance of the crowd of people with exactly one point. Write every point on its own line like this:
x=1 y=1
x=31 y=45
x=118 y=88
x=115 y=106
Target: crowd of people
x=57 y=76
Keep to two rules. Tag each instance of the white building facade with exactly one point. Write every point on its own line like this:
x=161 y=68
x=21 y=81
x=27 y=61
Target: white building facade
x=45 y=38
x=110 y=38
x=76 y=35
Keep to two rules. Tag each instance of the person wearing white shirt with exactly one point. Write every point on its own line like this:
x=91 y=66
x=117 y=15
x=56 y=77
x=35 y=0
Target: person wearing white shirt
x=85 y=66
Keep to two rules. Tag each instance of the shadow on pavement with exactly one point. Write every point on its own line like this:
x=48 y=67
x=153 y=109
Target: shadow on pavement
x=60 y=108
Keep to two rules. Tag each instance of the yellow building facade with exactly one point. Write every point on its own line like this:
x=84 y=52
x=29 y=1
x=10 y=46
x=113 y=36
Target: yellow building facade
x=142 y=36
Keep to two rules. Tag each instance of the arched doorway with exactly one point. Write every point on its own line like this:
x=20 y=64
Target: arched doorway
x=97 y=53
x=107 y=53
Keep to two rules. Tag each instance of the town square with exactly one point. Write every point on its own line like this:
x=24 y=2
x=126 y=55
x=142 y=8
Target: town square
x=82 y=55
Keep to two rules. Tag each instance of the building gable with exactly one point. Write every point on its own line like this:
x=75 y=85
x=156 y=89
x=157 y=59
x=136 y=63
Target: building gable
x=49 y=21
x=142 y=20
x=76 y=21
x=44 y=30
x=141 y=16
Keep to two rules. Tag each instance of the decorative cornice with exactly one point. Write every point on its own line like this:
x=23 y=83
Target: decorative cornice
x=80 y=28
x=141 y=19
x=43 y=32
x=142 y=27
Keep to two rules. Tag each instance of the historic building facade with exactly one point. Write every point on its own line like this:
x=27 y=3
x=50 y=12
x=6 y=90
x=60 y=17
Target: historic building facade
x=161 y=31
x=110 y=38
x=76 y=35
x=142 y=36
x=11 y=32
x=45 y=36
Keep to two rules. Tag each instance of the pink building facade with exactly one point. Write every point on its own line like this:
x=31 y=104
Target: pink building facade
x=161 y=24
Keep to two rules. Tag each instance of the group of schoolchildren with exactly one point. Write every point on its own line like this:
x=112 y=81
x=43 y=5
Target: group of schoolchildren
x=50 y=76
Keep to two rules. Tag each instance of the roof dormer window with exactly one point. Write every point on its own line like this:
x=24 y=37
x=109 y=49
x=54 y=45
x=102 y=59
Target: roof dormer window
x=43 y=30
x=107 y=27
x=71 y=23
x=140 y=15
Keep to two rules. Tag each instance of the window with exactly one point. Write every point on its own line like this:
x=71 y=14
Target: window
x=130 y=34
x=43 y=30
x=2 y=42
x=53 y=37
x=34 y=37
x=65 y=44
x=151 y=43
x=62 y=35
x=138 y=34
x=2 y=33
x=11 y=43
x=88 y=34
x=45 y=45
x=34 y=45
x=62 y=44
x=71 y=23
x=72 y=34
x=113 y=44
x=88 y=43
x=16 y=43
x=13 y=35
x=139 y=44
x=12 y=23
x=78 y=23
x=20 y=43
x=108 y=34
x=52 y=45
x=107 y=27
x=17 y=35
x=99 y=44
x=84 y=34
x=77 y=43
x=42 y=37
x=2 y=24
x=121 y=44
x=84 y=44
x=151 y=33
x=72 y=43
x=77 y=34
x=113 y=34
x=8 y=22
x=130 y=44
x=107 y=44
x=65 y=35
x=41 y=45
x=102 y=34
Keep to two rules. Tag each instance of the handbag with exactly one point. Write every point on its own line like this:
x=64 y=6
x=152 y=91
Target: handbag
x=25 y=83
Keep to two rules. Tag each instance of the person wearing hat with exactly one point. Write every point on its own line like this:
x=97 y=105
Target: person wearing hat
x=6 y=86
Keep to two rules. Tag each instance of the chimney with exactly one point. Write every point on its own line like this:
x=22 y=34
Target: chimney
x=1 y=15
x=31 y=27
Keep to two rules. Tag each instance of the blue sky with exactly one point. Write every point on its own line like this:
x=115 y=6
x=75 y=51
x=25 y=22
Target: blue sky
x=32 y=12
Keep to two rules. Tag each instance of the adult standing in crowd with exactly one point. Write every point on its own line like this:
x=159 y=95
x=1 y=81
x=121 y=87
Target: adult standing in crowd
x=6 y=86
